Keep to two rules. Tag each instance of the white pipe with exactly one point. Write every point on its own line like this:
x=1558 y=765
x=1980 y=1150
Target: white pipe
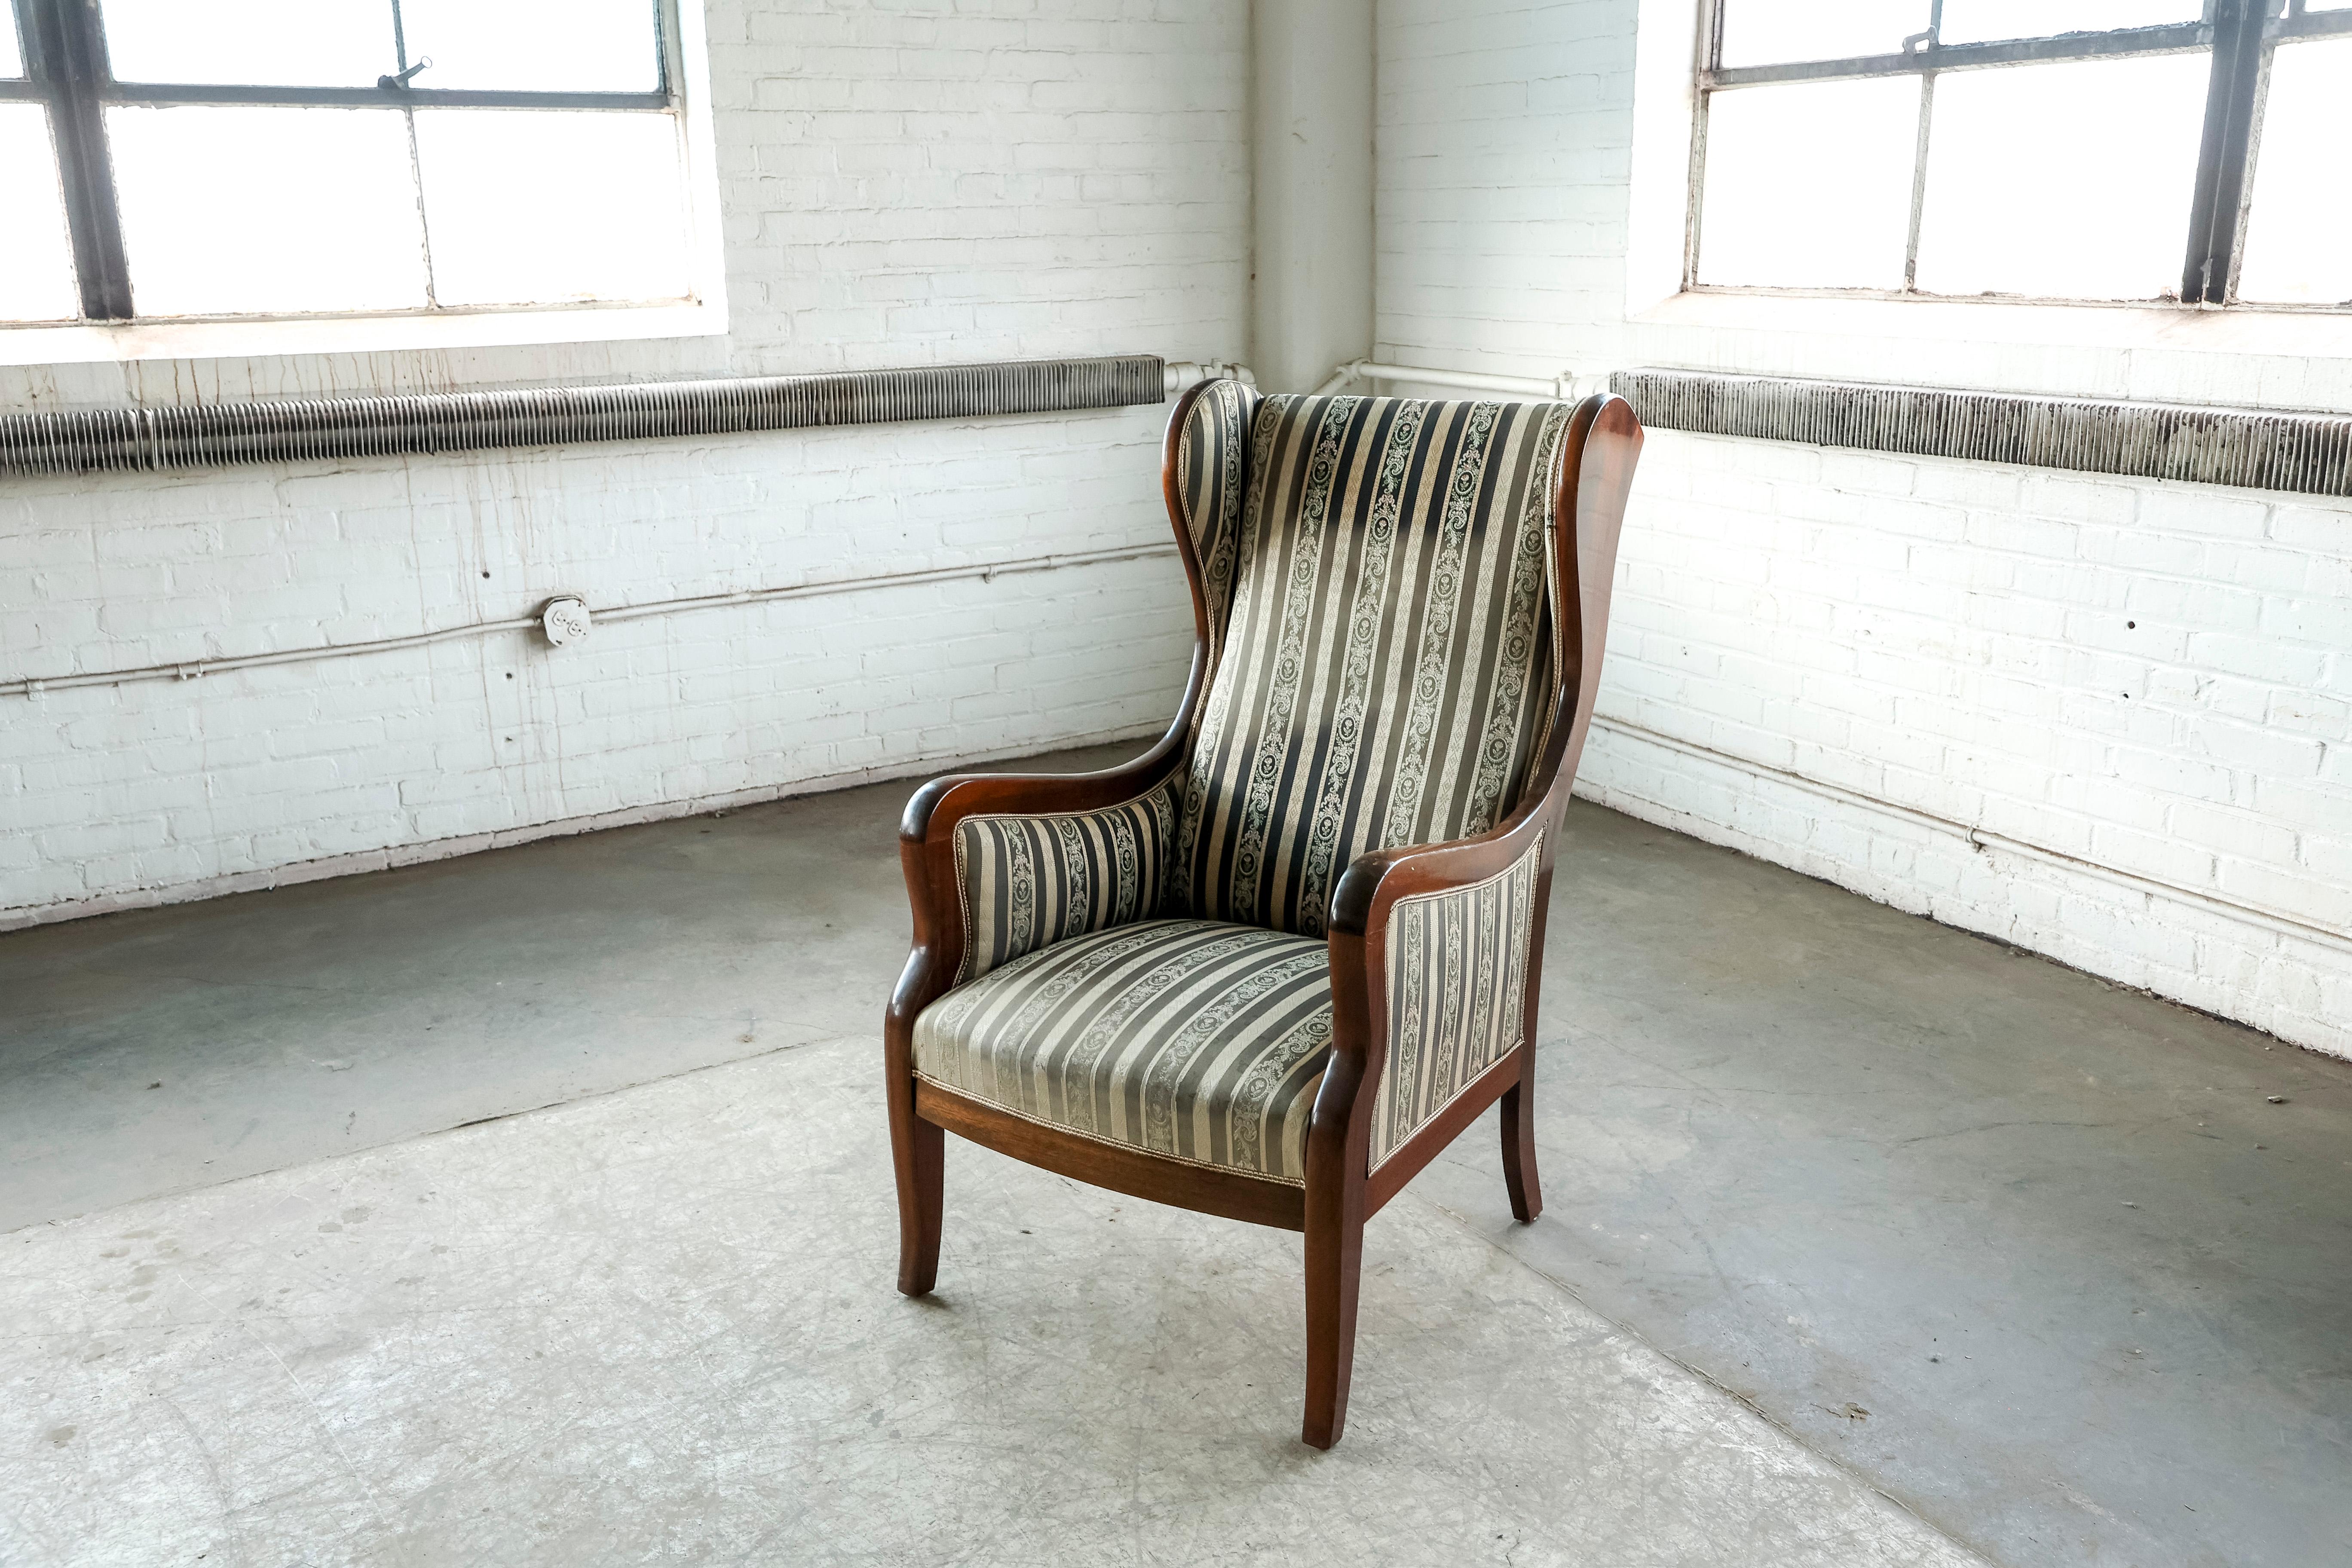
x=1180 y=374
x=1339 y=377
x=1185 y=373
x=1984 y=838
x=192 y=669
x=1559 y=386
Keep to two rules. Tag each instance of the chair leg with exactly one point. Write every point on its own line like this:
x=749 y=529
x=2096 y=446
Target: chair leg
x=1519 y=1145
x=918 y=1150
x=1335 y=1260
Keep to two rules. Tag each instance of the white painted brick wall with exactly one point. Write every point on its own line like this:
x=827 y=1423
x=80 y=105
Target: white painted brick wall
x=2146 y=678
x=931 y=182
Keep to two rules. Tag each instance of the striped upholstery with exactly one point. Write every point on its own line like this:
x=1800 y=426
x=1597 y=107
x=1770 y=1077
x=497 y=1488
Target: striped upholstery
x=1386 y=670
x=1381 y=669
x=1458 y=965
x=1212 y=480
x=1027 y=881
x=1194 y=1040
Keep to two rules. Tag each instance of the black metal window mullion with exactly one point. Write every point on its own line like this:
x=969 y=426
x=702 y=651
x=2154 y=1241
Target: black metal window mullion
x=1920 y=143
x=2226 y=150
x=66 y=58
x=1710 y=60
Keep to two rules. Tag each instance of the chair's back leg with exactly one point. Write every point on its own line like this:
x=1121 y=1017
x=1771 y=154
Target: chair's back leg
x=1520 y=1099
x=1520 y=1140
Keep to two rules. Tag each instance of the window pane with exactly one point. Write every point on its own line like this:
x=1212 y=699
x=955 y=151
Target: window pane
x=2299 y=229
x=539 y=46
x=1808 y=185
x=238 y=210
x=272 y=43
x=1974 y=21
x=12 y=62
x=532 y=205
x=1767 y=32
x=2064 y=180
x=36 y=277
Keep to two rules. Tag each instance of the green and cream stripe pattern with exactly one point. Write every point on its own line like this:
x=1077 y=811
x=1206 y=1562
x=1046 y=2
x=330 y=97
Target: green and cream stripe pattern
x=1457 y=994
x=1386 y=671
x=1211 y=478
x=1194 y=1039
x=1381 y=672
x=1027 y=881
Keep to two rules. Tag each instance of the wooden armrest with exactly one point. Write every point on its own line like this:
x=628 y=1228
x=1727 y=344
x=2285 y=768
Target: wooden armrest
x=927 y=839
x=1365 y=925
x=1376 y=880
x=931 y=815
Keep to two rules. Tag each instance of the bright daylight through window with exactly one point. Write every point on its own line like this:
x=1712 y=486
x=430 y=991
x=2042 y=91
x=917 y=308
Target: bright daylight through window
x=2100 y=150
x=193 y=158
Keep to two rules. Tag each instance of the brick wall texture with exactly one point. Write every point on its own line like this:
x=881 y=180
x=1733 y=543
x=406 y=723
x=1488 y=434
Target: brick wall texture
x=2150 y=682
x=1888 y=672
x=932 y=181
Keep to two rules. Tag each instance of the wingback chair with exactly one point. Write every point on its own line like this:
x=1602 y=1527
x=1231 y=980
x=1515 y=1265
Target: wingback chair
x=1272 y=967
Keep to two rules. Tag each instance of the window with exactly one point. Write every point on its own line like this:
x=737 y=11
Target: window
x=2057 y=149
x=175 y=158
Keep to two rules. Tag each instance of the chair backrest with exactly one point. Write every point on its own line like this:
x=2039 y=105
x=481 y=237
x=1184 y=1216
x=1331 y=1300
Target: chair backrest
x=1379 y=611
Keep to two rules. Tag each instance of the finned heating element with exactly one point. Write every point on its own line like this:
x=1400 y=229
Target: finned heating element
x=2256 y=448
x=295 y=430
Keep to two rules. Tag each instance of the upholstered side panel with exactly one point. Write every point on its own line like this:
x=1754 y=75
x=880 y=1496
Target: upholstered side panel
x=1458 y=965
x=1213 y=480
x=1027 y=881
x=1388 y=665
x=1190 y=1040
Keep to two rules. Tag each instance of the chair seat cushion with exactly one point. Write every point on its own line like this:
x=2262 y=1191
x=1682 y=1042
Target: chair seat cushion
x=1192 y=1039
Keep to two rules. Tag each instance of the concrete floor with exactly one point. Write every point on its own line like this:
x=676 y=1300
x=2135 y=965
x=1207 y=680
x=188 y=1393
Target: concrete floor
x=2035 y=1257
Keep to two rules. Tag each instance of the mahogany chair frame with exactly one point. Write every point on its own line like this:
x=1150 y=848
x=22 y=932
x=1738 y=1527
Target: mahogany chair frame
x=1341 y=1192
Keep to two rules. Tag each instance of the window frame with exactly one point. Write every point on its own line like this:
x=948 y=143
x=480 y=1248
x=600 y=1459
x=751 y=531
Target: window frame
x=2243 y=36
x=63 y=48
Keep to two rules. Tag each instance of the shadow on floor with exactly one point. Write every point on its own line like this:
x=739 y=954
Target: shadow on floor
x=2037 y=1255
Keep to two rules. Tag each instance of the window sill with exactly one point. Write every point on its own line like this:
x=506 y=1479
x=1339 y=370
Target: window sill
x=84 y=342
x=2242 y=356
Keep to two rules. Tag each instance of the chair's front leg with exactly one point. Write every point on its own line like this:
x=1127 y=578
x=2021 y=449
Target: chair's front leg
x=1335 y=1262
x=1337 y=1142
x=918 y=1148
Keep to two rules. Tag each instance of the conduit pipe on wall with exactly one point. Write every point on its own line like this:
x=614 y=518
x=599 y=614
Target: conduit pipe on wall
x=1178 y=376
x=1559 y=387
x=190 y=670
x=1184 y=373
x=1980 y=839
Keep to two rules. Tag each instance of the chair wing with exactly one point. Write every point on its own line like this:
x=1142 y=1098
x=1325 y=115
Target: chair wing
x=1212 y=487
x=1026 y=878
